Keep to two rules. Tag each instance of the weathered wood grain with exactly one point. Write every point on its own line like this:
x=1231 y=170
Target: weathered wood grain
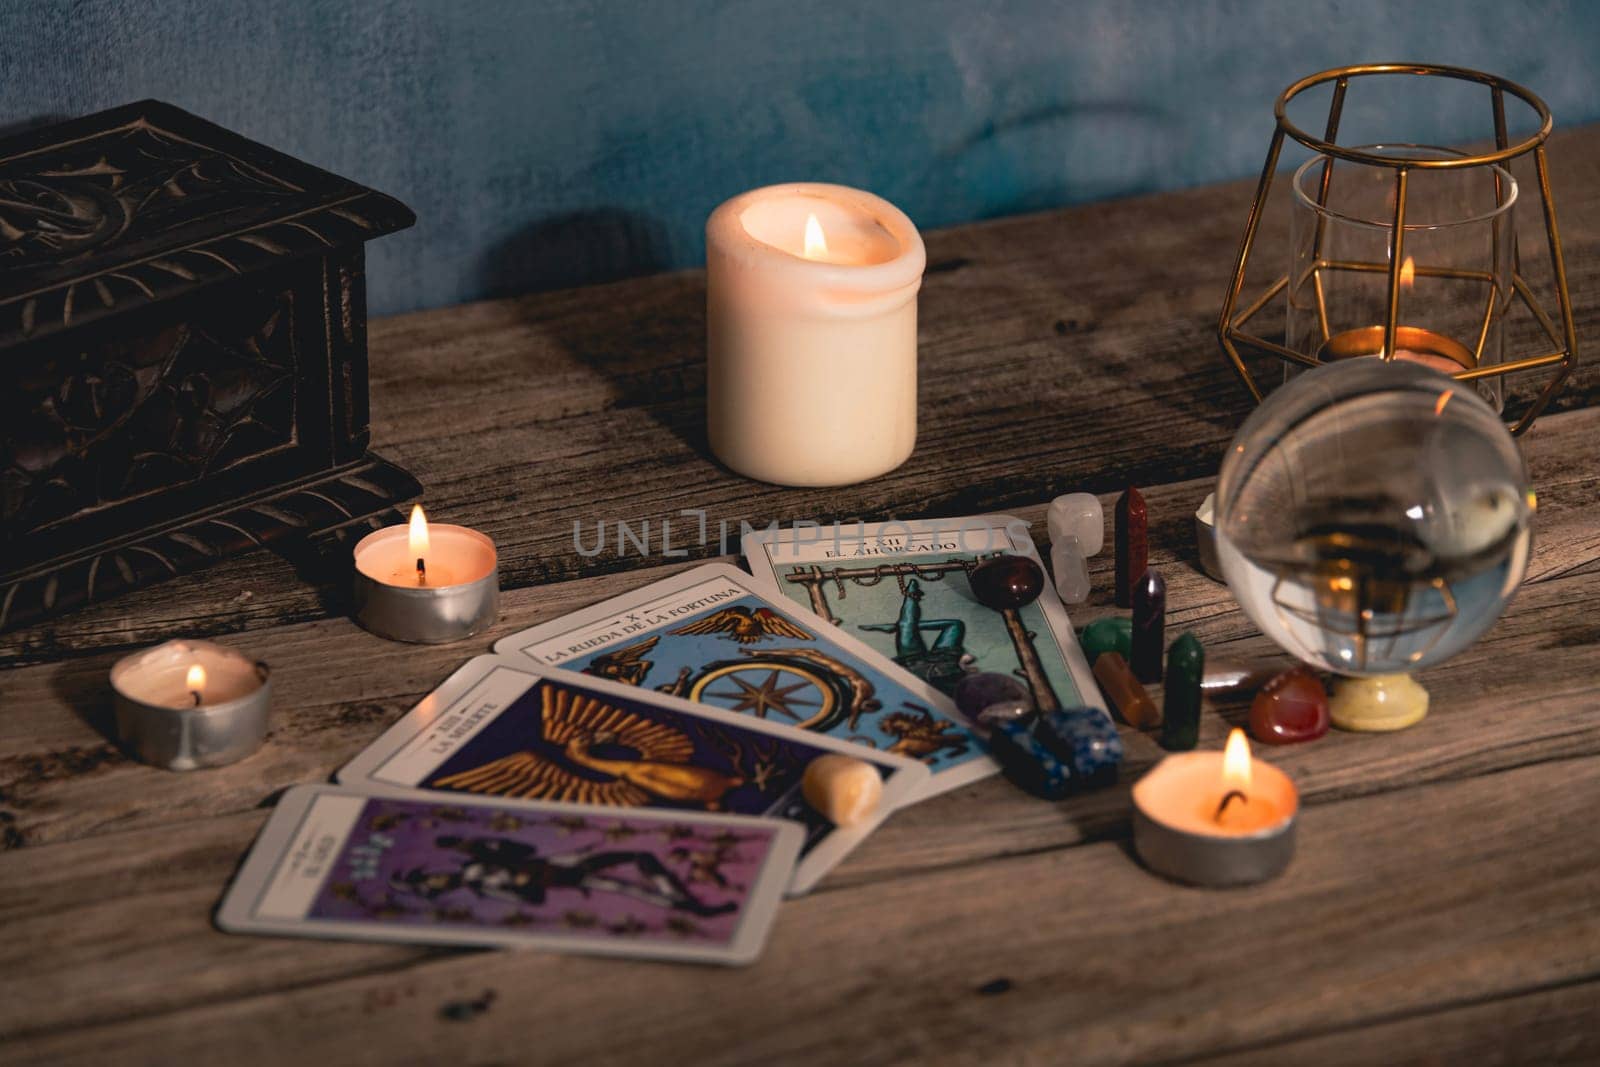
x=1385 y=911
x=1549 y=1027
x=61 y=777
x=1062 y=351
x=1484 y=722
x=1447 y=875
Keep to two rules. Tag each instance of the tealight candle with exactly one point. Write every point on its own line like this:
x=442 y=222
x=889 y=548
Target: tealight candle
x=1215 y=818
x=811 y=319
x=426 y=582
x=1412 y=344
x=188 y=704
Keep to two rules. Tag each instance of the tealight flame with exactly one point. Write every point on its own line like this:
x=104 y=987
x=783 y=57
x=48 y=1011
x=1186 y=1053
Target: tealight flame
x=816 y=240
x=419 y=532
x=1408 y=273
x=1236 y=761
x=1444 y=398
x=196 y=681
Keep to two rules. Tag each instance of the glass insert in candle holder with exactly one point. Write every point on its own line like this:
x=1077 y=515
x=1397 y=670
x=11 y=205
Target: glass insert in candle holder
x=1373 y=517
x=1408 y=252
x=1455 y=279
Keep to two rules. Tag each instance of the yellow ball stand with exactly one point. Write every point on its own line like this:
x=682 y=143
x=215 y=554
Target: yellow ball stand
x=1377 y=704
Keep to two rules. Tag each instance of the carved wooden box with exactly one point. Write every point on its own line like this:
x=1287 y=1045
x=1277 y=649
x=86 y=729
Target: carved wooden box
x=183 y=354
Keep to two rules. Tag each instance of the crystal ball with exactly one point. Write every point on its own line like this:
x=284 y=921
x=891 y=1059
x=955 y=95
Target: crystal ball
x=1373 y=517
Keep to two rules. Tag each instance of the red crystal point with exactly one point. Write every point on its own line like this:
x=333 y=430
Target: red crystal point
x=1291 y=707
x=1132 y=534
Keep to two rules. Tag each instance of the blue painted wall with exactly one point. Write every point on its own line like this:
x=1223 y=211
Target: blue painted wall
x=556 y=142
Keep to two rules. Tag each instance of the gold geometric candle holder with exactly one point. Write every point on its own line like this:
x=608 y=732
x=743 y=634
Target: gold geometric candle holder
x=1405 y=251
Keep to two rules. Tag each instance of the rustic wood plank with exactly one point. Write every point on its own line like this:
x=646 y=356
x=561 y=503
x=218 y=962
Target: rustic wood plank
x=1483 y=723
x=1548 y=1027
x=1068 y=350
x=61 y=777
x=1084 y=955
x=1423 y=898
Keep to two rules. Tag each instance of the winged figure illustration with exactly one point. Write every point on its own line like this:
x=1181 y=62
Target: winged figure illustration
x=745 y=626
x=563 y=765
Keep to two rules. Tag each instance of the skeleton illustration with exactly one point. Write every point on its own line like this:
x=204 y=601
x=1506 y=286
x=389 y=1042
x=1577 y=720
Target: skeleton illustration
x=498 y=868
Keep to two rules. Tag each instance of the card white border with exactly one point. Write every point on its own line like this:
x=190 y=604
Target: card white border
x=236 y=912
x=757 y=544
x=907 y=779
x=941 y=781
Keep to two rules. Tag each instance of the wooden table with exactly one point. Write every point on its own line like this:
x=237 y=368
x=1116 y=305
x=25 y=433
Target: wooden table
x=1444 y=905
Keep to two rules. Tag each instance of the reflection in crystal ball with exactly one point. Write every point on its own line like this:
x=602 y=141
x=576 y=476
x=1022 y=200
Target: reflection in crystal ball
x=1373 y=517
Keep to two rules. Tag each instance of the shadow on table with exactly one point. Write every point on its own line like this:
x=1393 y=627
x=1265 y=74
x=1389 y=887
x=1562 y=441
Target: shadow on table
x=84 y=685
x=650 y=352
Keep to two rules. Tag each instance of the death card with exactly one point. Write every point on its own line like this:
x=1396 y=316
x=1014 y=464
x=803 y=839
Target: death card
x=711 y=635
x=501 y=726
x=903 y=588
x=336 y=863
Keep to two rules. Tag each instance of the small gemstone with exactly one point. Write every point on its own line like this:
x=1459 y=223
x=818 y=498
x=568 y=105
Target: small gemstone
x=1006 y=711
x=1180 y=696
x=1149 y=626
x=842 y=789
x=1291 y=707
x=984 y=689
x=1107 y=635
x=1007 y=582
x=1086 y=740
x=1027 y=762
x=1071 y=570
x=1132 y=531
x=1124 y=691
x=1077 y=515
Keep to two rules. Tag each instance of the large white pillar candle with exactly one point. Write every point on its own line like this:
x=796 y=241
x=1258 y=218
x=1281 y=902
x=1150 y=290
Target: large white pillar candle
x=811 y=362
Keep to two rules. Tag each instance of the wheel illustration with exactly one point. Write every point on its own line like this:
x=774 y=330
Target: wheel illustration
x=768 y=688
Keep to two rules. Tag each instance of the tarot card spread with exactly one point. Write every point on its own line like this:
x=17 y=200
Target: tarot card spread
x=709 y=635
x=902 y=587
x=467 y=871
x=501 y=727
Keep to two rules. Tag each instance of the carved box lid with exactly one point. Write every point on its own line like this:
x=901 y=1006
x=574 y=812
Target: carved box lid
x=146 y=202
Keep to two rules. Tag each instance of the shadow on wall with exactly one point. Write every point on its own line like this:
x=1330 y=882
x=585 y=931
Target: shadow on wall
x=11 y=129
x=1055 y=154
x=582 y=248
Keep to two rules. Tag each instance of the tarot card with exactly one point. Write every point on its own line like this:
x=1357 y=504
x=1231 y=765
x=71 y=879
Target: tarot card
x=414 y=867
x=711 y=635
x=501 y=726
x=902 y=588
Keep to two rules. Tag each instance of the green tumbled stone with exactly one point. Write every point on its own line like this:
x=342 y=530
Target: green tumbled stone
x=1180 y=698
x=1107 y=635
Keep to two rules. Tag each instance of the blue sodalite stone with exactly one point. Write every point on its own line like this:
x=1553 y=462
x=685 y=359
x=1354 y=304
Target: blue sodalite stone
x=1086 y=740
x=1027 y=762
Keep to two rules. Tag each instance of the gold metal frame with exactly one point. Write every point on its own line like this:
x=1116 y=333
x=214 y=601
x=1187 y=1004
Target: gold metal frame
x=1230 y=326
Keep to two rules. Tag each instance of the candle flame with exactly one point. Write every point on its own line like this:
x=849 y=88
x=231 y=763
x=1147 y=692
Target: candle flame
x=419 y=532
x=1408 y=273
x=1236 y=762
x=816 y=240
x=196 y=680
x=1444 y=398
